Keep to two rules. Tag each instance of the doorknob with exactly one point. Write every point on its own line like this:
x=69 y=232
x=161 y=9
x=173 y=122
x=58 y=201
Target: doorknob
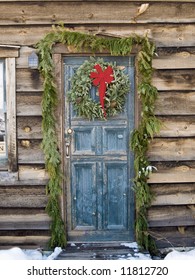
x=69 y=131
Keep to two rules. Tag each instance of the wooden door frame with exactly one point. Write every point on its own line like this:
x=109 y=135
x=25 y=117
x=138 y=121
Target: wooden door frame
x=59 y=52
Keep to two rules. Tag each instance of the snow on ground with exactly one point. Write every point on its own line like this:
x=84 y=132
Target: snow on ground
x=132 y=245
x=176 y=255
x=16 y=253
x=135 y=256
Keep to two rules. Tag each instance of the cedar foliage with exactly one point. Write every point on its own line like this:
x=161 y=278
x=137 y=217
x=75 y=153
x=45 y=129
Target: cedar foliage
x=140 y=138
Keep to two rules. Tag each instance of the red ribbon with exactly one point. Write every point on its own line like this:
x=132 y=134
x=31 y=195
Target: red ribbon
x=101 y=79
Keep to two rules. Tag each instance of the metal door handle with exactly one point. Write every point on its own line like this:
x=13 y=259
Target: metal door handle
x=68 y=137
x=67 y=149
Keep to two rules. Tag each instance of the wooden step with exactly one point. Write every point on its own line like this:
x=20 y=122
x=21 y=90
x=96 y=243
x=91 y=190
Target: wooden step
x=98 y=251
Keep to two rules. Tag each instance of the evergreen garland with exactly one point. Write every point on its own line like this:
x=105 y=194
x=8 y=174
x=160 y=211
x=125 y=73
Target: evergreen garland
x=149 y=124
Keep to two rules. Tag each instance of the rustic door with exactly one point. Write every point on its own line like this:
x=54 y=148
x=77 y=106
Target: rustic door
x=99 y=165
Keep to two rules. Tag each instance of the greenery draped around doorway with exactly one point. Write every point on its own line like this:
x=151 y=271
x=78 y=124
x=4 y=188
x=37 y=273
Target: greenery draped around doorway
x=149 y=125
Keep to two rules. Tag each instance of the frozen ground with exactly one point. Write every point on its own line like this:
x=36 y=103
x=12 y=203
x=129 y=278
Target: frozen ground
x=16 y=253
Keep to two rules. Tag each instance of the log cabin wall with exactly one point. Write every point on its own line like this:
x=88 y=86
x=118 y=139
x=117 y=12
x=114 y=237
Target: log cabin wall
x=171 y=25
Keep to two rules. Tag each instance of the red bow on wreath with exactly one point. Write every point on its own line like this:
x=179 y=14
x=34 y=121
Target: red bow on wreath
x=101 y=79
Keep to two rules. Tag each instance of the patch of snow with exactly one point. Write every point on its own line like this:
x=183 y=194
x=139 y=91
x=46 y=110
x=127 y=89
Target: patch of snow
x=16 y=253
x=137 y=256
x=176 y=255
x=73 y=245
x=54 y=255
x=141 y=256
x=33 y=254
x=132 y=245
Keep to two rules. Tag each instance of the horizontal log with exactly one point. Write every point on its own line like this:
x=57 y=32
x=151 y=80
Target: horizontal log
x=171 y=216
x=29 y=104
x=21 y=212
x=169 y=237
x=25 y=183
x=177 y=126
x=28 y=80
x=174 y=79
x=33 y=174
x=28 y=241
x=24 y=222
x=93 y=12
x=29 y=127
x=173 y=194
x=175 y=103
x=171 y=149
x=23 y=190
x=175 y=172
x=23 y=35
x=22 y=201
x=30 y=152
x=179 y=60
x=25 y=233
x=23 y=197
x=163 y=35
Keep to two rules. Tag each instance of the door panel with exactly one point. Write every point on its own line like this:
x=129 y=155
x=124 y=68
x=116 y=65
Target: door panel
x=115 y=197
x=84 y=196
x=84 y=141
x=100 y=200
x=114 y=140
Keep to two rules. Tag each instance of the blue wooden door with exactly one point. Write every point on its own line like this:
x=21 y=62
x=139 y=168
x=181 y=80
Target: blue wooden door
x=99 y=165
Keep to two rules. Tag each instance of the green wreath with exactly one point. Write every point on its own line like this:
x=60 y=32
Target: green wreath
x=115 y=91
